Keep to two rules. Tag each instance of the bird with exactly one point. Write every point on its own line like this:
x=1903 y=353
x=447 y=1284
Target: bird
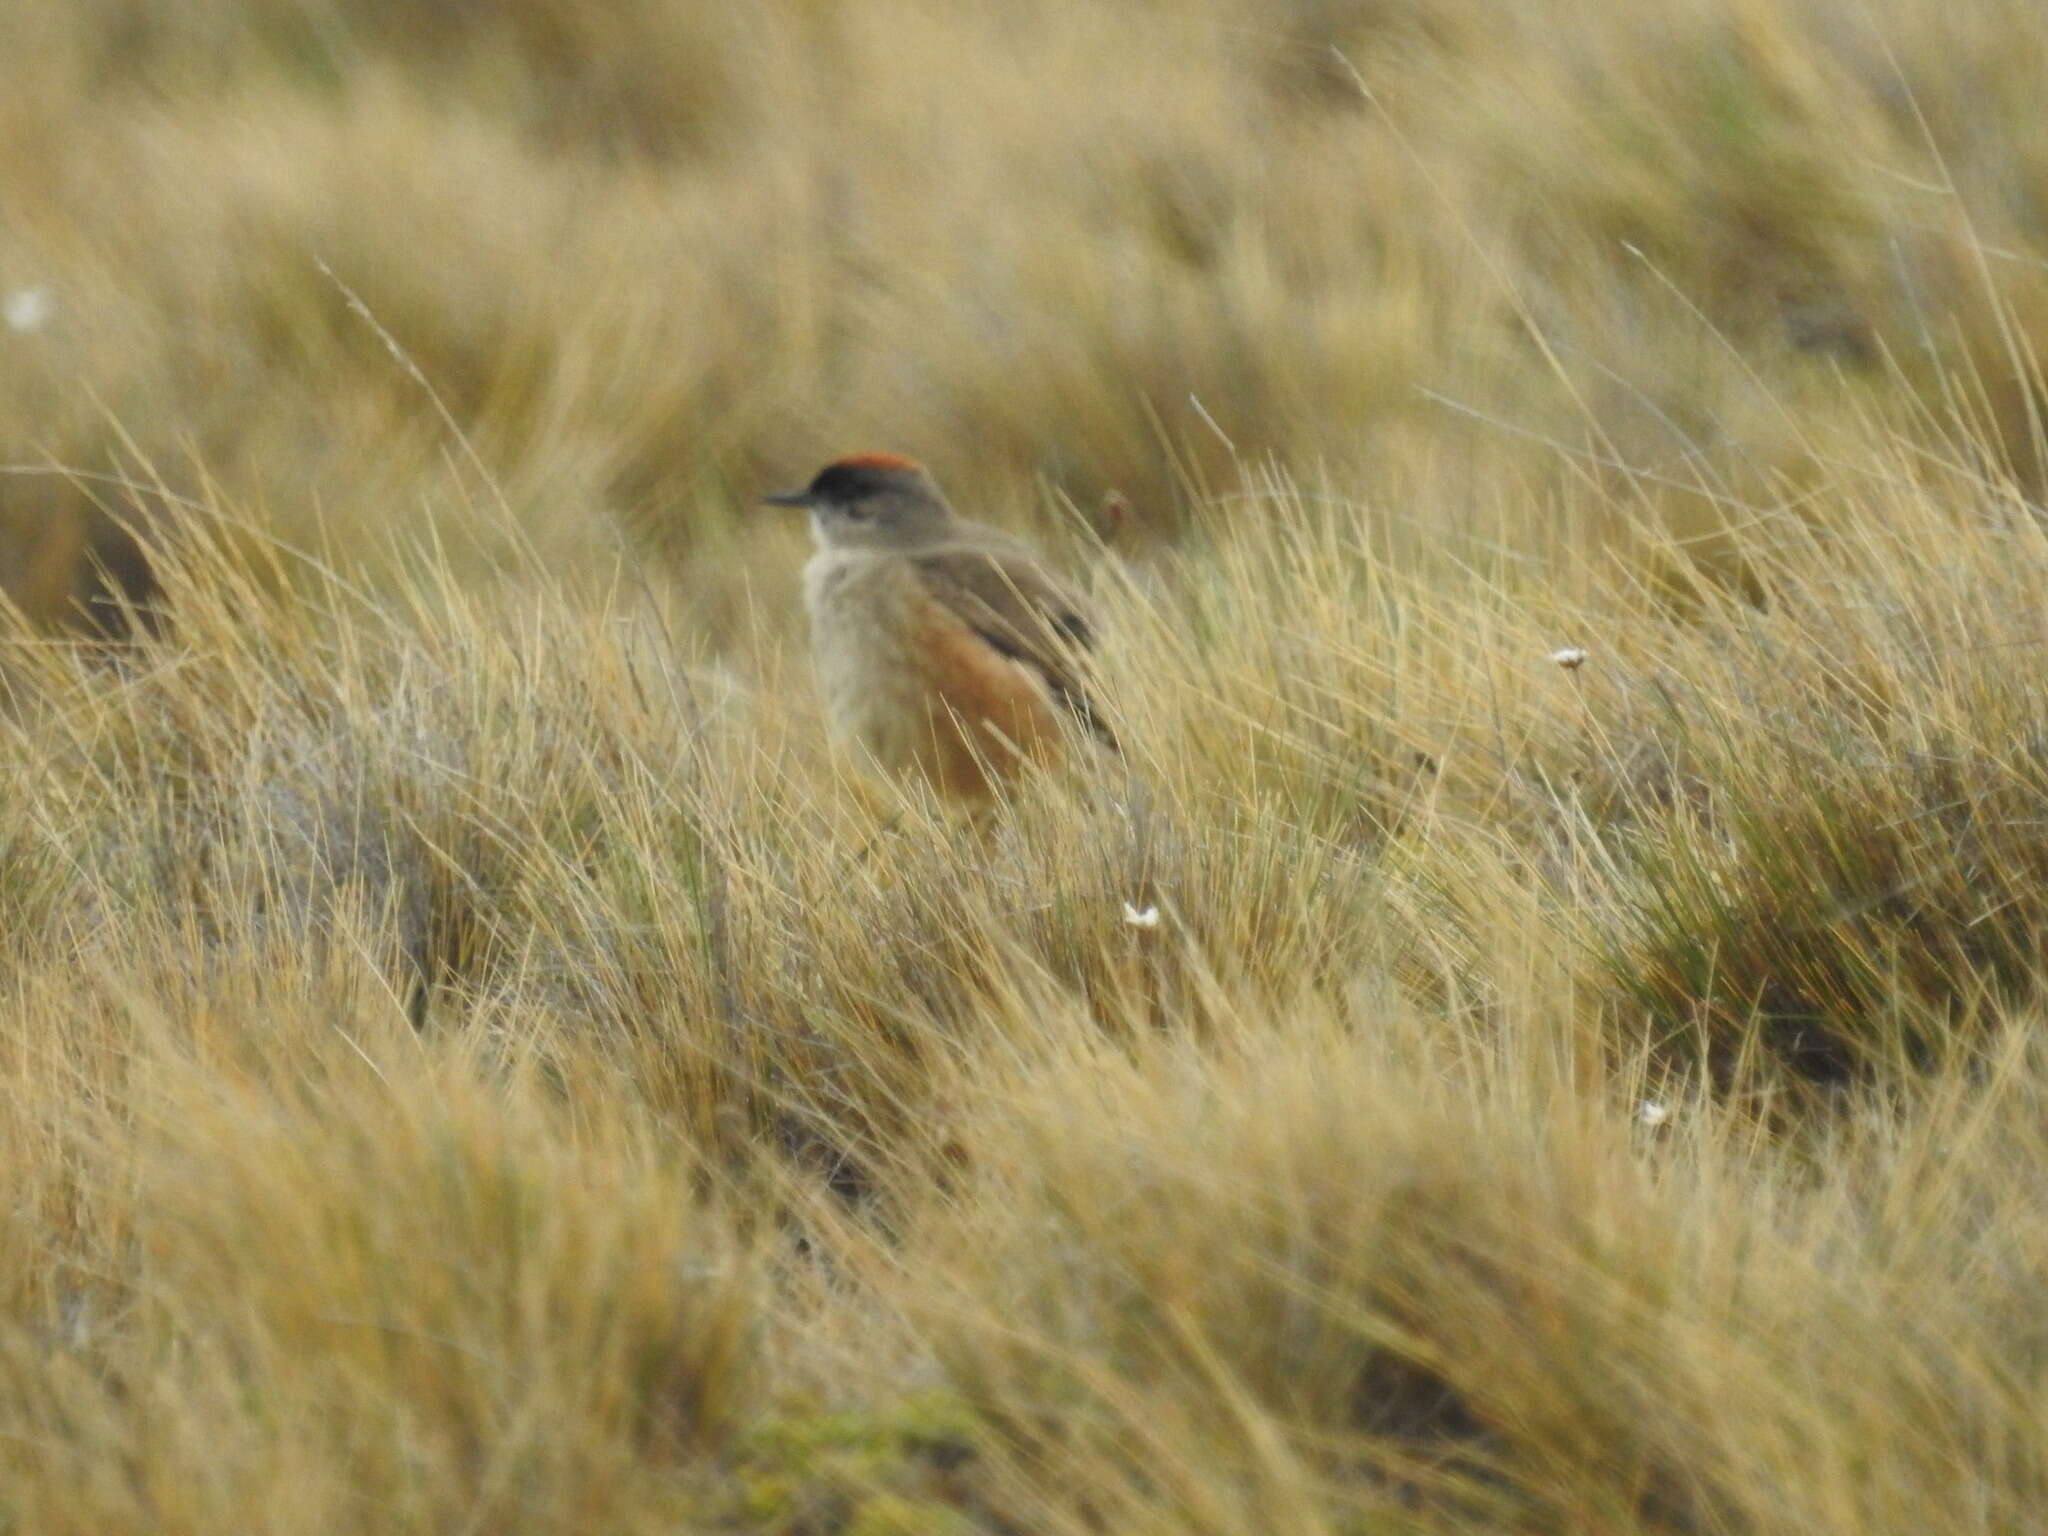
x=945 y=649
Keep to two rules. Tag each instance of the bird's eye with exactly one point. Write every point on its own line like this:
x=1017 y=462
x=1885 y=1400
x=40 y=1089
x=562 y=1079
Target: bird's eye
x=854 y=511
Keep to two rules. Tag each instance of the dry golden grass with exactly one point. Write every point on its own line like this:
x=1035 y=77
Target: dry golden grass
x=477 y=1061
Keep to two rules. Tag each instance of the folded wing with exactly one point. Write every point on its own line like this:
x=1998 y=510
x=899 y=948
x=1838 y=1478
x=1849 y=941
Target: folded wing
x=1023 y=611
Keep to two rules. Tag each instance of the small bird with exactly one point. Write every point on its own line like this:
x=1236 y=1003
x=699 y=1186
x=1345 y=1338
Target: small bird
x=944 y=648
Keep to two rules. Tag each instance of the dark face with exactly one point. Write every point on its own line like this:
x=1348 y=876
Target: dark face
x=857 y=504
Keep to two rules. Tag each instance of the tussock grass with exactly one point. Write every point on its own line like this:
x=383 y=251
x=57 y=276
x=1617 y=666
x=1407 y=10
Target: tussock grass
x=477 y=1059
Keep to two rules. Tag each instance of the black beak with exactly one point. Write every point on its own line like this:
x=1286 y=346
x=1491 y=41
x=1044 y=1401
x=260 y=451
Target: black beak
x=787 y=499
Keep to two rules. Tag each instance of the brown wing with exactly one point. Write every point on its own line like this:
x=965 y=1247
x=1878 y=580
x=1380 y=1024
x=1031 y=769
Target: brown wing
x=1020 y=608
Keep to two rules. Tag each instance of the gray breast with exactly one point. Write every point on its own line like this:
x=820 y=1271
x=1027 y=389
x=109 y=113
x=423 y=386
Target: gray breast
x=871 y=688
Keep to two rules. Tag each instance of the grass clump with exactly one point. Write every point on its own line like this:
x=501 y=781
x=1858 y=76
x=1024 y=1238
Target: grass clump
x=1864 y=922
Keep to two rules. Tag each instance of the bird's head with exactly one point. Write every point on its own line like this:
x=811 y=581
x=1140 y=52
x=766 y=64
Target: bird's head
x=871 y=501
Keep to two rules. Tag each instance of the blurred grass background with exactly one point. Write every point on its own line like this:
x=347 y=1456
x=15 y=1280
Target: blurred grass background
x=477 y=1061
